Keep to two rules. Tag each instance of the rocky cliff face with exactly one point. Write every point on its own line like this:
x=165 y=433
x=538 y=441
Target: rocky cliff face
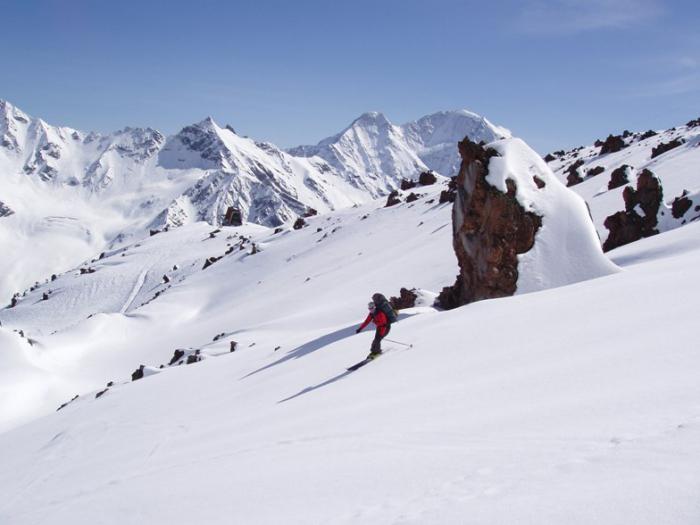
x=516 y=228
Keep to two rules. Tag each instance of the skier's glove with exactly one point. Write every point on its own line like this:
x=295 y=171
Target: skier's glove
x=358 y=330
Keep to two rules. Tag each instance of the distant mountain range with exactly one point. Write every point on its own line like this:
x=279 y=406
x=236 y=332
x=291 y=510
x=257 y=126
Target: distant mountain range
x=63 y=187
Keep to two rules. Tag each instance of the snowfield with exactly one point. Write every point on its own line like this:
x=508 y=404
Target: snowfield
x=577 y=404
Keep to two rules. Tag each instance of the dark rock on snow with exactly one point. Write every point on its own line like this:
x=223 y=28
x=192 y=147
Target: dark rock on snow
x=407 y=184
x=628 y=225
x=574 y=177
x=666 y=146
x=612 y=144
x=407 y=299
x=619 y=177
x=138 y=373
x=393 y=199
x=427 y=178
x=177 y=355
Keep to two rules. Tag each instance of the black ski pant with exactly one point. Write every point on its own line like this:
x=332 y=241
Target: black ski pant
x=376 y=343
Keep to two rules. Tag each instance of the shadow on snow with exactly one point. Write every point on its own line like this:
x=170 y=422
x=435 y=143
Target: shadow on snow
x=309 y=347
x=315 y=387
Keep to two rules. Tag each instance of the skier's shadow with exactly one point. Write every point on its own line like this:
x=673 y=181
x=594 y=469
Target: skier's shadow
x=316 y=387
x=309 y=347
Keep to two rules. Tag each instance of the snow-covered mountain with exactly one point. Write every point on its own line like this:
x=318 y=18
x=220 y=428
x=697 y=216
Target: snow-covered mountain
x=62 y=187
x=374 y=154
x=266 y=184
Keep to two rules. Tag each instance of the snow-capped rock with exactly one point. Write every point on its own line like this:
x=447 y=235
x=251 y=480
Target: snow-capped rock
x=516 y=228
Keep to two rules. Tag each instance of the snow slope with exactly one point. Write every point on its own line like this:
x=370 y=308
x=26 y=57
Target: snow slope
x=115 y=299
x=577 y=404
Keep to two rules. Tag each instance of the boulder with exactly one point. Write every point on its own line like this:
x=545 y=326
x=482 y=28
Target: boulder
x=209 y=261
x=663 y=147
x=612 y=144
x=393 y=199
x=407 y=184
x=427 y=178
x=412 y=197
x=406 y=299
x=619 y=177
x=177 y=355
x=630 y=225
x=299 y=224
x=596 y=170
x=573 y=176
x=681 y=205
x=138 y=373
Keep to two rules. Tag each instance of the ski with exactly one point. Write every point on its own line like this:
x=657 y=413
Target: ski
x=362 y=363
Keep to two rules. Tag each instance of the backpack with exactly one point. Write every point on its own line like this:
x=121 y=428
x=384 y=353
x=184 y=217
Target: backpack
x=384 y=306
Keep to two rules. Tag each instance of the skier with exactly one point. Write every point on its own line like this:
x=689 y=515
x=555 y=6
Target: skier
x=377 y=315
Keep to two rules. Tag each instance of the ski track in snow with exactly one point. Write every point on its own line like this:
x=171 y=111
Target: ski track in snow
x=138 y=285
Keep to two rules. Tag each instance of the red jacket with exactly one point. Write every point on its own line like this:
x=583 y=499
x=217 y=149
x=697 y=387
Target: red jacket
x=378 y=318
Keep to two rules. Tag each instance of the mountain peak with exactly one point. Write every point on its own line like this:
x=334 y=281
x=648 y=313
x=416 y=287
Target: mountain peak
x=371 y=118
x=207 y=123
x=8 y=110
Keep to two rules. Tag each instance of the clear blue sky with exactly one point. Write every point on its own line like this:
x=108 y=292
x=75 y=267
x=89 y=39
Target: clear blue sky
x=558 y=73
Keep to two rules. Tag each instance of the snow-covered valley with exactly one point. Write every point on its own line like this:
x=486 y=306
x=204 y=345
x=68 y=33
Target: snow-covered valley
x=573 y=404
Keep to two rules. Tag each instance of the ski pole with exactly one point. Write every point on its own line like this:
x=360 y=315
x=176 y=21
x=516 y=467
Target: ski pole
x=399 y=343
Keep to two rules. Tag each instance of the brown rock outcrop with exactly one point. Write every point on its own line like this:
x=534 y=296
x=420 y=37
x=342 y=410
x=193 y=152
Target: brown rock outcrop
x=407 y=299
x=407 y=184
x=681 y=205
x=629 y=225
x=612 y=144
x=619 y=177
x=490 y=229
x=663 y=147
x=393 y=199
x=427 y=178
x=573 y=176
x=233 y=217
